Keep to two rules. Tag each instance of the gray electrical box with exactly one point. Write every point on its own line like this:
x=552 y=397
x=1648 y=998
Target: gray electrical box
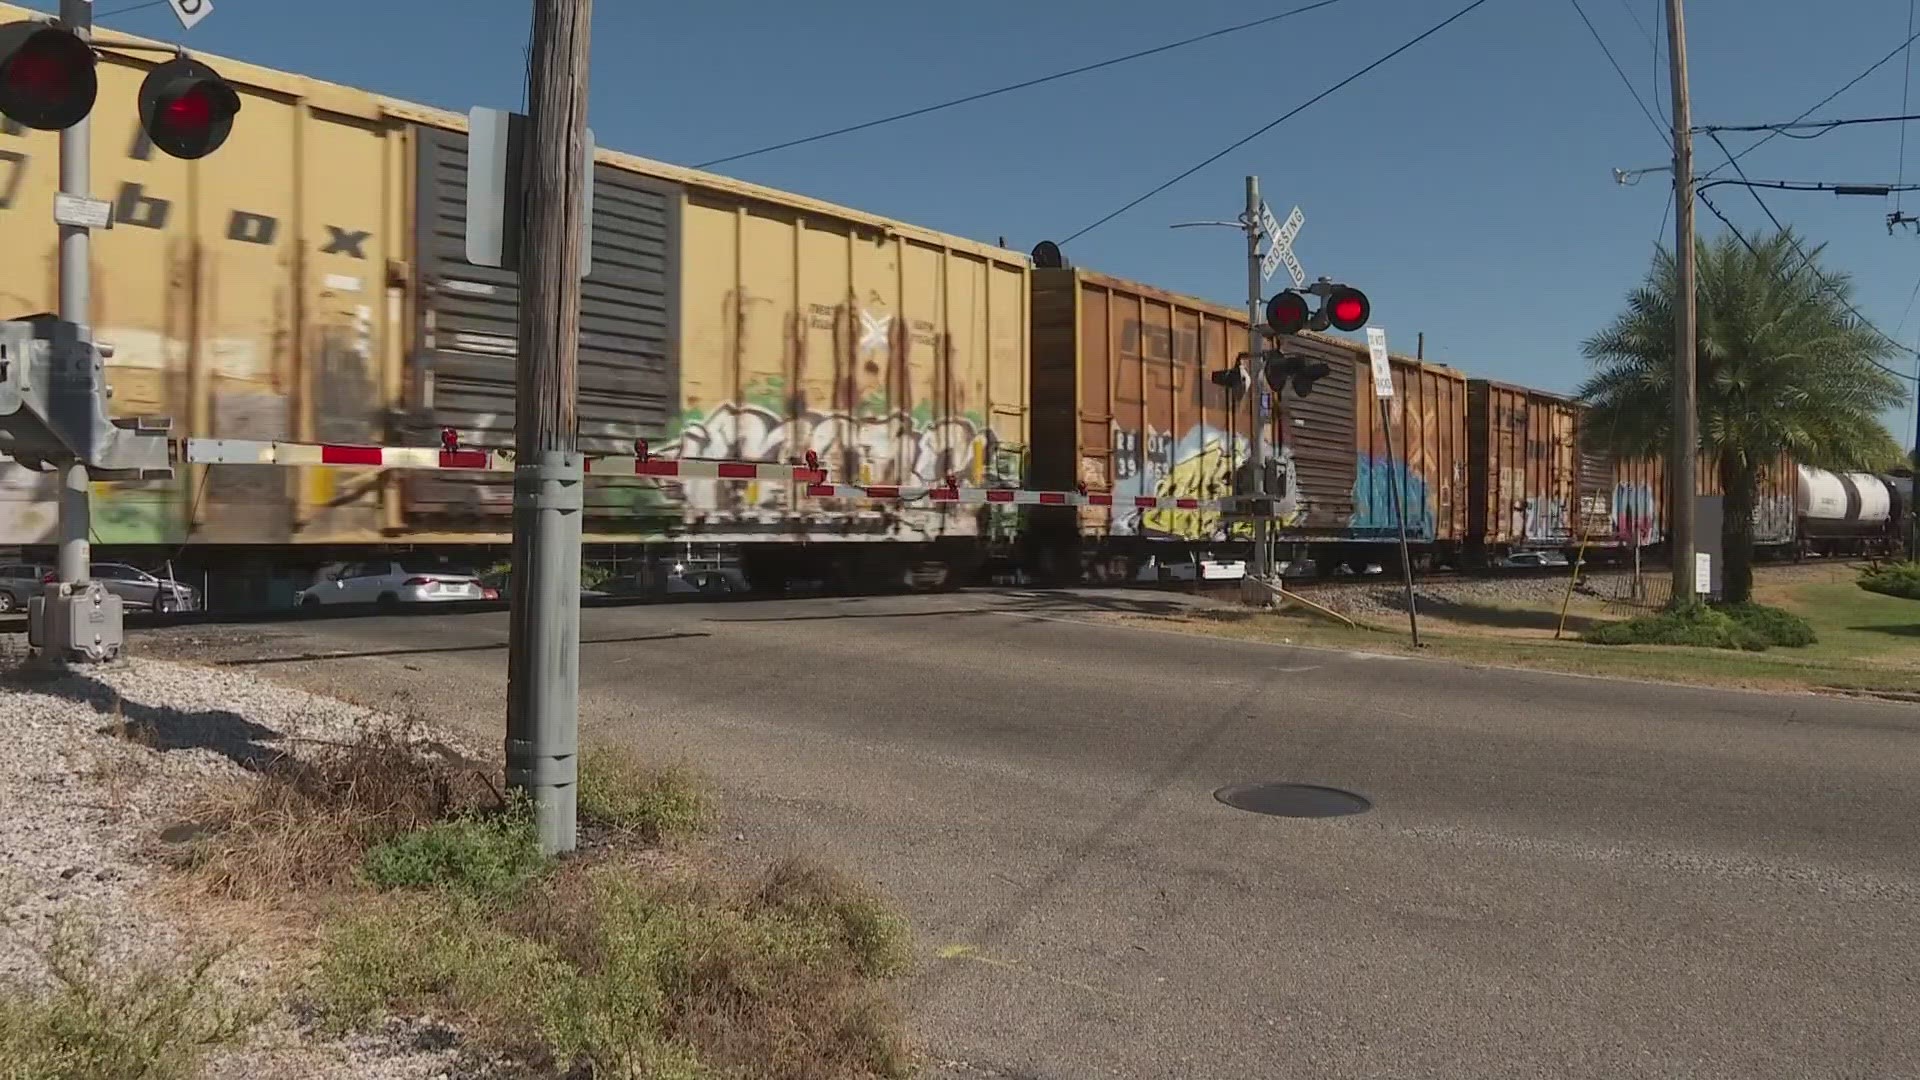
x=80 y=621
x=53 y=406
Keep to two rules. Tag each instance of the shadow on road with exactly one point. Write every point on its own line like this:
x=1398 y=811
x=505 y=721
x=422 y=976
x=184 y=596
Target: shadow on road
x=494 y=646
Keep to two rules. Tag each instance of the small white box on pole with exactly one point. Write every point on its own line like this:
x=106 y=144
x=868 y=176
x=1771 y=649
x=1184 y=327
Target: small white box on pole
x=1702 y=573
x=1382 y=368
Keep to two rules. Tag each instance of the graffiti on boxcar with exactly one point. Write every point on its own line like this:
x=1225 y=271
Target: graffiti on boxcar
x=893 y=448
x=1636 y=517
x=1199 y=465
x=1373 y=506
x=1773 y=519
x=1547 y=519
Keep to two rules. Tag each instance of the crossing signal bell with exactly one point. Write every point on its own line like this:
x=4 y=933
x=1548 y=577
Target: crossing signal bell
x=47 y=81
x=186 y=108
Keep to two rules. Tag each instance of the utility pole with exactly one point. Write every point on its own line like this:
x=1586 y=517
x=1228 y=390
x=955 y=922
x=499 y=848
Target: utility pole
x=76 y=306
x=1686 y=441
x=1256 y=386
x=1913 y=463
x=543 y=670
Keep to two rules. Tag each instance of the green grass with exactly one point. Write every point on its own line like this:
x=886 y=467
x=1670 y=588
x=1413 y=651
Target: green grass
x=621 y=792
x=486 y=857
x=146 y=1023
x=1895 y=579
x=1864 y=642
x=641 y=977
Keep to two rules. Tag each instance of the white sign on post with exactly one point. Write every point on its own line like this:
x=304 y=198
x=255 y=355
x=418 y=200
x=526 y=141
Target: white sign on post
x=1280 y=250
x=190 y=12
x=1702 y=572
x=1382 y=370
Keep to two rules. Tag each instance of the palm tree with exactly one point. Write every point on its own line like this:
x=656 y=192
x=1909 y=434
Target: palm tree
x=1781 y=365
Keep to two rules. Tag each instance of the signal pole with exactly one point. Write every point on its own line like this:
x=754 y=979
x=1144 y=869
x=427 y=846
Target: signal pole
x=1680 y=467
x=1256 y=386
x=543 y=669
x=76 y=303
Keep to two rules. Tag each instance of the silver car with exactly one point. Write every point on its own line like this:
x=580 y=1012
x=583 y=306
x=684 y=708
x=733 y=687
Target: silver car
x=137 y=589
x=408 y=579
x=19 y=582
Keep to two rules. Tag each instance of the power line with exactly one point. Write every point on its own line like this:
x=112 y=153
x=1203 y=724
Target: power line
x=1806 y=261
x=1819 y=127
x=134 y=7
x=983 y=95
x=1618 y=70
x=1818 y=105
x=1290 y=114
x=1811 y=185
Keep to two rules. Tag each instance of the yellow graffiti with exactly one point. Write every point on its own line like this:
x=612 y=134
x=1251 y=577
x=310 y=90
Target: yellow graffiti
x=1205 y=475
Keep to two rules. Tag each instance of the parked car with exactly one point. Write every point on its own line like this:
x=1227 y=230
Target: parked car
x=403 y=580
x=19 y=582
x=137 y=589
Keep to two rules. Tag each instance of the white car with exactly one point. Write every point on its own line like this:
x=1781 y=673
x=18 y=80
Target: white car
x=409 y=579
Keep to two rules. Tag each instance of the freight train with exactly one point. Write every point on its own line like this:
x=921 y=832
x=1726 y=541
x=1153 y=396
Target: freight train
x=307 y=283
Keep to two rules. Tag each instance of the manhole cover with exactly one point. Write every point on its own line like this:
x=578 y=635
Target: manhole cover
x=1293 y=800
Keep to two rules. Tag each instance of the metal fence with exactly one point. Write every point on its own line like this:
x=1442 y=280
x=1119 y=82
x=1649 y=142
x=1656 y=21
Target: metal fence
x=1631 y=594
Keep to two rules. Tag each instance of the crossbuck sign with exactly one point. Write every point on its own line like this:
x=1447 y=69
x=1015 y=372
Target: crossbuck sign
x=1280 y=248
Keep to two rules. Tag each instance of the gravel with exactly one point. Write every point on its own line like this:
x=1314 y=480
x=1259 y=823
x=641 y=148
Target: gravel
x=1388 y=596
x=85 y=806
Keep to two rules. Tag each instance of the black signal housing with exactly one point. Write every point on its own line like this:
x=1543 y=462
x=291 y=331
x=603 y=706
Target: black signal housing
x=186 y=108
x=47 y=77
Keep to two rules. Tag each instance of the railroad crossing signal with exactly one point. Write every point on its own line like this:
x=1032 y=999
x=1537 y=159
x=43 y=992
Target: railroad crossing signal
x=1342 y=307
x=1280 y=247
x=186 y=108
x=48 y=82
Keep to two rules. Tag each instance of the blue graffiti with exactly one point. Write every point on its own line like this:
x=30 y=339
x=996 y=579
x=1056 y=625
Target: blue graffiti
x=1373 y=497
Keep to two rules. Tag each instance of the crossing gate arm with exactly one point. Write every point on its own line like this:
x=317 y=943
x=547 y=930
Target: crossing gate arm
x=345 y=455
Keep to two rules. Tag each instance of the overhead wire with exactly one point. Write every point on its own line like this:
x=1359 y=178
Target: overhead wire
x=1618 y=70
x=1818 y=105
x=1819 y=127
x=131 y=7
x=1288 y=115
x=1022 y=85
x=1806 y=259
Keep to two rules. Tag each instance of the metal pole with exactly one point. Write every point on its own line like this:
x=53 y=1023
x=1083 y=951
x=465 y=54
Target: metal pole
x=1256 y=383
x=76 y=305
x=1680 y=471
x=1400 y=517
x=1913 y=462
x=543 y=673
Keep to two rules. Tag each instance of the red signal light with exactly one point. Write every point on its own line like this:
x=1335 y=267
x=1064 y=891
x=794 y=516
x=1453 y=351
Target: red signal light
x=47 y=81
x=1287 y=312
x=186 y=108
x=1348 y=309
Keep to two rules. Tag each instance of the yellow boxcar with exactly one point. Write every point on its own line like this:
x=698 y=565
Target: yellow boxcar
x=307 y=282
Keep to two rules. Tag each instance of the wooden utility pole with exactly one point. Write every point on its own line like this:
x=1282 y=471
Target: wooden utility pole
x=1686 y=440
x=543 y=670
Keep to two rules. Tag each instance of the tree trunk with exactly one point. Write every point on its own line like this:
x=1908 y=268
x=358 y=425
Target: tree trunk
x=1738 y=479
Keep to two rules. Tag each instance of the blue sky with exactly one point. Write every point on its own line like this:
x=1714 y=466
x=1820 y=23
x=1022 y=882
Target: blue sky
x=1465 y=185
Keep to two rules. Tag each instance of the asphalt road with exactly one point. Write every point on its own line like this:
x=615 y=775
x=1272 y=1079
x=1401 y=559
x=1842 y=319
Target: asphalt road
x=1559 y=877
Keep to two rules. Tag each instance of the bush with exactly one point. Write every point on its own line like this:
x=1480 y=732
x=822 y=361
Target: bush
x=307 y=823
x=1696 y=625
x=1894 y=579
x=487 y=858
x=146 y=1024
x=654 y=804
x=1773 y=625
